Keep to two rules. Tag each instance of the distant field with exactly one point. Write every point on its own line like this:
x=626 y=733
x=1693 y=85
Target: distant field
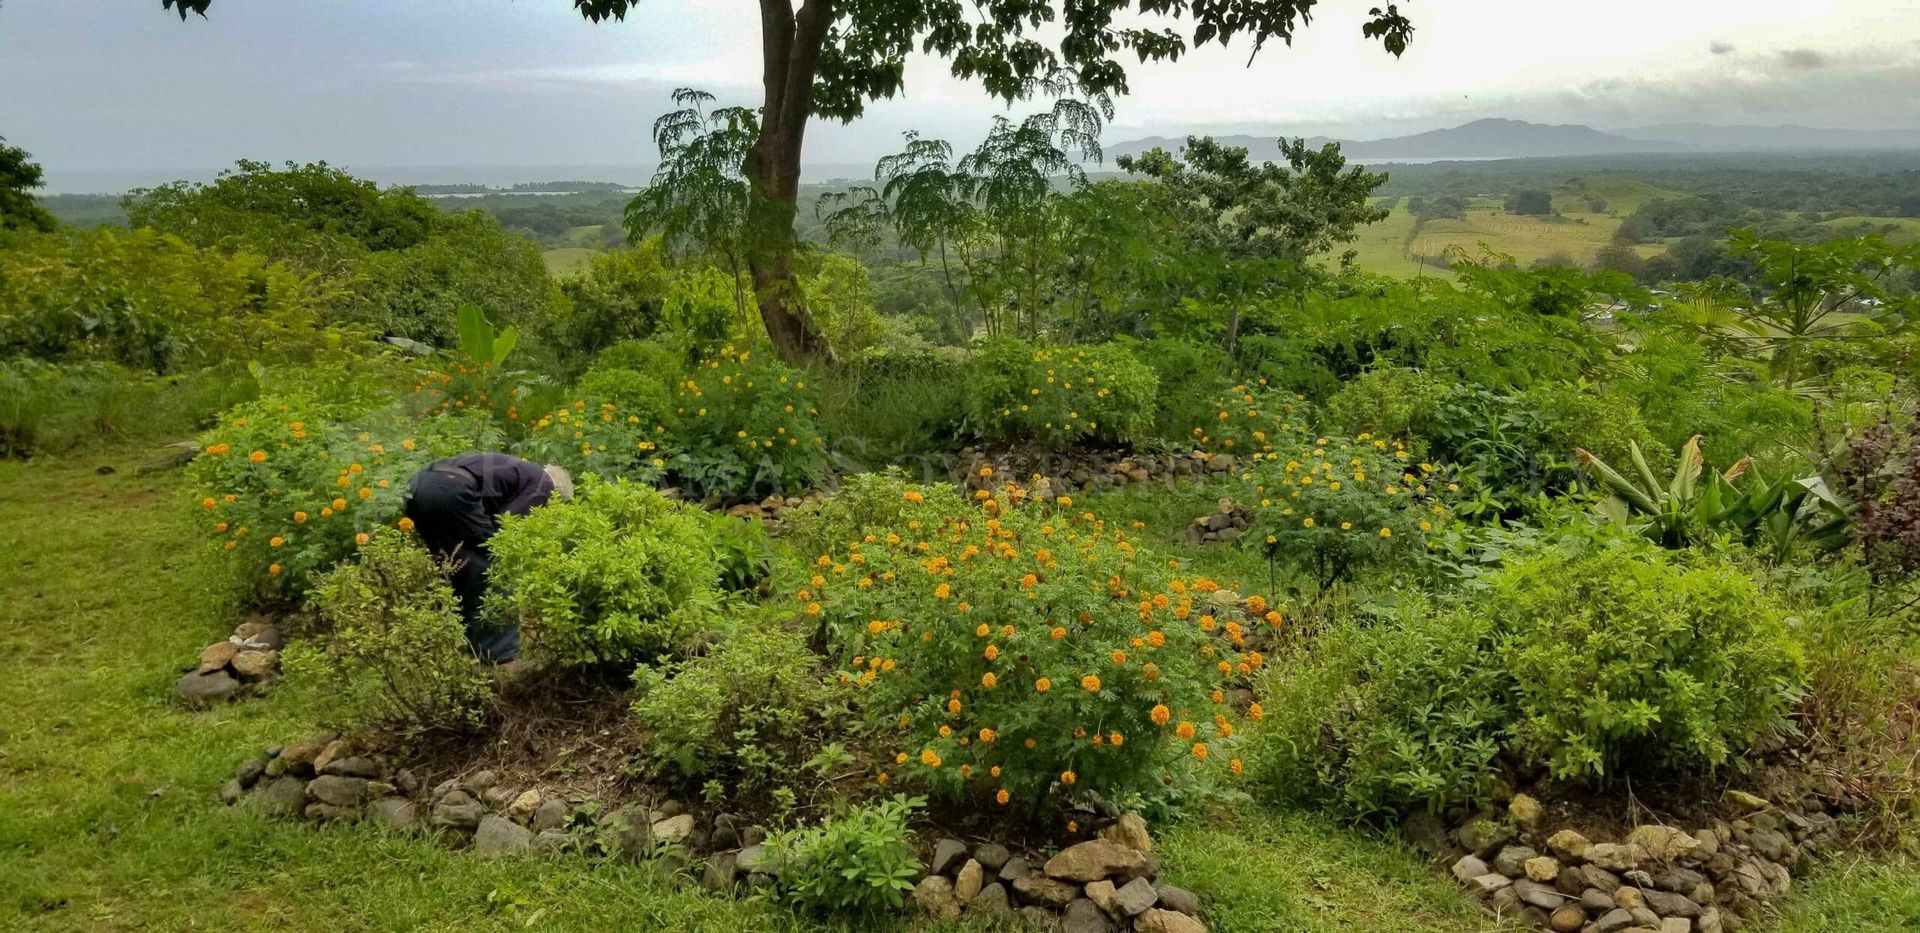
x=565 y=261
x=1394 y=247
x=1897 y=229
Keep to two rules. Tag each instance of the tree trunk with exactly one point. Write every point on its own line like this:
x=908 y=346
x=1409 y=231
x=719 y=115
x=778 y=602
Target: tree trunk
x=790 y=46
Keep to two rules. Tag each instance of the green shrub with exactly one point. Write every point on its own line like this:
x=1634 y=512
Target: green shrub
x=888 y=406
x=861 y=861
x=1056 y=397
x=1248 y=420
x=53 y=407
x=741 y=550
x=876 y=503
x=1334 y=506
x=1026 y=655
x=747 y=713
x=619 y=574
x=1192 y=372
x=391 y=652
x=1386 y=402
x=1627 y=659
x=616 y=296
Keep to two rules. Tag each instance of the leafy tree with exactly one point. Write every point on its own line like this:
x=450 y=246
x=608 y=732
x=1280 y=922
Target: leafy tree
x=1532 y=202
x=829 y=59
x=700 y=197
x=1807 y=294
x=18 y=177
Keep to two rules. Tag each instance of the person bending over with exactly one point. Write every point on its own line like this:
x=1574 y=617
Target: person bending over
x=456 y=506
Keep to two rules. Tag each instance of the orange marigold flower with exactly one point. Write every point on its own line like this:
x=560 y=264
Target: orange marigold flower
x=361 y=539
x=258 y=456
x=1058 y=633
x=1157 y=638
x=992 y=652
x=405 y=524
x=1043 y=685
x=929 y=758
x=1150 y=671
x=1234 y=766
x=1029 y=581
x=207 y=503
x=983 y=631
x=989 y=681
x=1255 y=712
x=1090 y=683
x=1002 y=796
x=994 y=771
x=1068 y=777
x=1219 y=696
x=299 y=518
x=900 y=758
x=276 y=541
x=339 y=505
x=1184 y=729
x=1028 y=743
x=273 y=570
x=1116 y=740
x=1199 y=751
x=221 y=528
x=988 y=735
x=1119 y=657
x=953 y=706
x=1160 y=714
x=943 y=591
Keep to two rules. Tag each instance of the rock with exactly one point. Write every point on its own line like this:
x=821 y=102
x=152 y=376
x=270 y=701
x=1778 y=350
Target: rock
x=1774 y=845
x=1040 y=889
x=1543 y=868
x=338 y=748
x=1600 y=878
x=1129 y=830
x=355 y=767
x=281 y=796
x=1512 y=860
x=1676 y=925
x=303 y=752
x=1015 y=869
x=498 y=797
x=1613 y=921
x=215 y=656
x=328 y=813
x=1710 y=921
x=967 y=881
x=1083 y=916
x=1669 y=904
x=1538 y=895
x=395 y=813
x=1468 y=868
x=479 y=783
x=338 y=791
x=1679 y=880
x=726 y=832
x=1569 y=844
x=934 y=895
x=1526 y=811
x=1627 y=897
x=1709 y=843
x=1102 y=893
x=1427 y=833
x=1597 y=900
x=992 y=901
x=1616 y=856
x=1664 y=843
x=1093 y=860
x=1506 y=903
x=752 y=836
x=1167 y=921
x=1567 y=918
x=256 y=666
x=673 y=829
x=266 y=637
x=456 y=810
x=551 y=814
x=199 y=690
x=549 y=840
x=992 y=856
x=947 y=854
x=501 y=836
x=1484 y=834
x=1179 y=900
x=250 y=772
x=522 y=807
x=1745 y=802
x=1644 y=917
x=1222 y=463
x=379 y=789
x=1489 y=884
x=1038 y=918
x=755 y=858
x=722 y=872
x=1136 y=896
x=231 y=792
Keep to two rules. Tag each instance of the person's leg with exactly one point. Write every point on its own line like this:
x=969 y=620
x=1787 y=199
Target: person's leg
x=447 y=513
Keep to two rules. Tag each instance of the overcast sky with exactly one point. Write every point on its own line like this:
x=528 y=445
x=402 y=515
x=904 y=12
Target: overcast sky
x=92 y=85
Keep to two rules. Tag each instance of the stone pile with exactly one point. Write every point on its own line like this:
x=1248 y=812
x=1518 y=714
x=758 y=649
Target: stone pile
x=1103 y=885
x=1224 y=524
x=1659 y=879
x=773 y=508
x=1067 y=474
x=235 y=666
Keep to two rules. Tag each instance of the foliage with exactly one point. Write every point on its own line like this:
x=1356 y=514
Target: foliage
x=1334 y=506
x=1249 y=420
x=1055 y=397
x=50 y=408
x=1881 y=477
x=392 y=653
x=749 y=712
x=1530 y=201
x=1026 y=655
x=1686 y=508
x=861 y=861
x=256 y=205
x=1809 y=294
x=291 y=483
x=699 y=199
x=19 y=175
x=618 y=295
x=619 y=574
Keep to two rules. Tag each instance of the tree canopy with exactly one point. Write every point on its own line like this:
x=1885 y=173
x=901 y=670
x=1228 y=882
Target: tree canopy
x=19 y=175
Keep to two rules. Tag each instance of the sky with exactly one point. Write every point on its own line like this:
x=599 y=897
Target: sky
x=95 y=88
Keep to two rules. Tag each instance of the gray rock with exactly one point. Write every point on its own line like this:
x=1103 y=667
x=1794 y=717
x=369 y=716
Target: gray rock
x=1039 y=918
x=1045 y=891
x=673 y=829
x=1015 y=869
x=726 y=832
x=1083 y=916
x=1676 y=925
x=628 y=832
x=1613 y=921
x=1774 y=845
x=479 y=783
x=992 y=901
x=753 y=836
x=326 y=812
x=501 y=836
x=1570 y=882
x=355 y=766
x=1678 y=880
x=1484 y=834
x=1136 y=896
x=1489 y=884
x=668 y=810
x=1512 y=860
x=1710 y=921
x=549 y=840
x=282 y=796
x=755 y=858
x=1538 y=895
x=722 y=872
x=1427 y=833
x=947 y=854
x=1669 y=904
x=250 y=772
x=1644 y=917
x=395 y=813
x=231 y=792
x=551 y=814
x=334 y=790
x=1600 y=878
x=1597 y=901
x=1616 y=856
x=1638 y=878
x=934 y=895
x=992 y=856
x=456 y=810
x=205 y=689
x=1468 y=868
x=1093 y=860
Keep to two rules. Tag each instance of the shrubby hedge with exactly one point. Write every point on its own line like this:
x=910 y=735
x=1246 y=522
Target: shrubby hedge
x=1056 y=397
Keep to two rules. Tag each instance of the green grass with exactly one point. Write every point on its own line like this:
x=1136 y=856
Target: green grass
x=565 y=260
x=109 y=819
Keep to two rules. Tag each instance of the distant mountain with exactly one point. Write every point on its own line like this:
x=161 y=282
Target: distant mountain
x=1707 y=137
x=1481 y=139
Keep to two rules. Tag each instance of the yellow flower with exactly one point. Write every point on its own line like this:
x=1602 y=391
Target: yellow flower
x=1234 y=766
x=299 y=518
x=361 y=539
x=258 y=456
x=276 y=541
x=1199 y=751
x=1090 y=683
x=1002 y=796
x=1058 y=633
x=405 y=523
x=929 y=758
x=1386 y=532
x=1306 y=523
x=273 y=570
x=992 y=653
x=1068 y=777
x=1043 y=685
x=1117 y=740
x=339 y=505
x=1184 y=729
x=989 y=681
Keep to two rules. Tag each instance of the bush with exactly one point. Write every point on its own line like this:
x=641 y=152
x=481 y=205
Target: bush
x=1388 y=402
x=290 y=485
x=747 y=713
x=1056 y=397
x=1022 y=655
x=391 y=651
x=892 y=405
x=1248 y=420
x=53 y=407
x=616 y=296
x=619 y=574
x=1333 y=506
x=861 y=861
x=877 y=503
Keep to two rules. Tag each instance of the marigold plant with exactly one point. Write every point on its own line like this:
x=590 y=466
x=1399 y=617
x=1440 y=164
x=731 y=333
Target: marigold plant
x=1025 y=653
x=1056 y=397
x=1251 y=419
x=1335 y=505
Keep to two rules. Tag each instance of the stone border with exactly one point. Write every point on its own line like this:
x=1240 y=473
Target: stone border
x=1659 y=879
x=1103 y=885
x=235 y=666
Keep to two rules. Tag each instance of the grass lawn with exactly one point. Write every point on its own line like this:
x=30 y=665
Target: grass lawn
x=109 y=819
x=566 y=259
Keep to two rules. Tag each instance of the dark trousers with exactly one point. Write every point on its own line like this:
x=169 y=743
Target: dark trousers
x=446 y=510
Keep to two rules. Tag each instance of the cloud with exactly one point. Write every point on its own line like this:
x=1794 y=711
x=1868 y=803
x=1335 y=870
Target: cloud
x=1722 y=48
x=1802 y=59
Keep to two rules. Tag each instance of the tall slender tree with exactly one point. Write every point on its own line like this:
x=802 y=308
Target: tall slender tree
x=828 y=58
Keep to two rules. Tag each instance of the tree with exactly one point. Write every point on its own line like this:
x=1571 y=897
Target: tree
x=828 y=58
x=1532 y=202
x=700 y=197
x=18 y=177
